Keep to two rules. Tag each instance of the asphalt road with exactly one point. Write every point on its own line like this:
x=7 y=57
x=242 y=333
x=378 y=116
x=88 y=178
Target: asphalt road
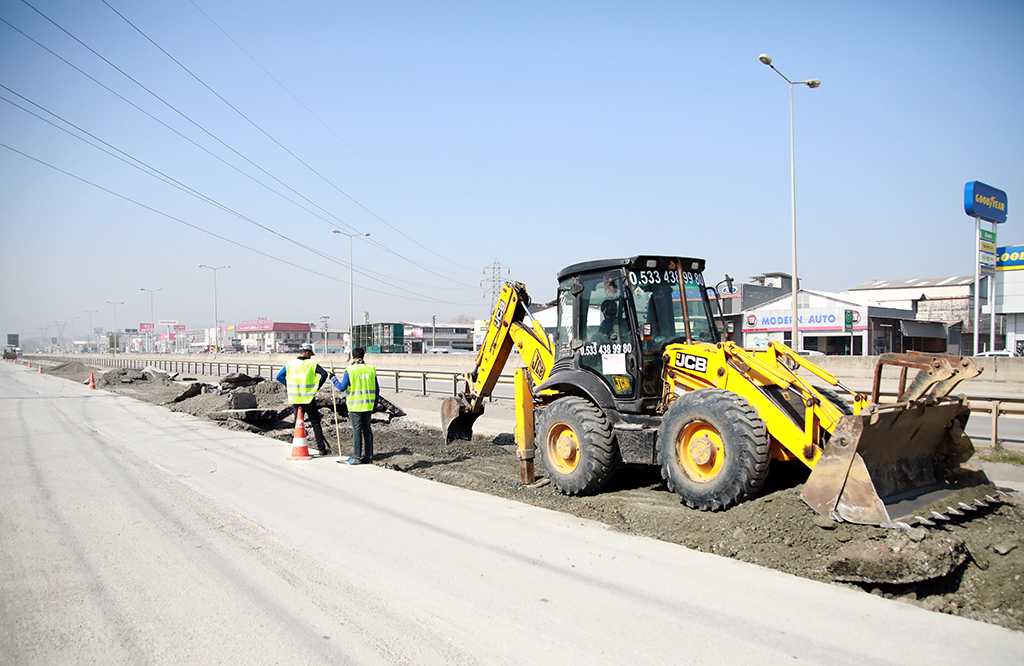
x=132 y=535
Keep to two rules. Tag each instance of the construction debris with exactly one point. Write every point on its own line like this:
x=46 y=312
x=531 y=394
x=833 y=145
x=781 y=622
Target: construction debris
x=897 y=559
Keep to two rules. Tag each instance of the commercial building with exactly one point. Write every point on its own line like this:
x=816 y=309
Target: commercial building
x=822 y=320
x=444 y=338
x=1010 y=295
x=943 y=310
x=266 y=336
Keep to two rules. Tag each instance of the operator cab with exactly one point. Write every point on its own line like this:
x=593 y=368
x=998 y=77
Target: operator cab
x=616 y=316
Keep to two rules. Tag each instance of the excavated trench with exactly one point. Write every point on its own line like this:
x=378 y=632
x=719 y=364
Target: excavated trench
x=970 y=566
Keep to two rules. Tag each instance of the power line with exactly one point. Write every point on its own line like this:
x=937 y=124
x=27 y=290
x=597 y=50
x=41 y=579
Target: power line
x=424 y=299
x=207 y=132
x=155 y=173
x=326 y=126
x=269 y=136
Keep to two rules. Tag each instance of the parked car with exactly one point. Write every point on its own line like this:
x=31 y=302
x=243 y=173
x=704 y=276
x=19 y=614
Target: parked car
x=810 y=352
x=999 y=352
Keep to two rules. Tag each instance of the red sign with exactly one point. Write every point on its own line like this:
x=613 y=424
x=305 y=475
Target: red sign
x=145 y=327
x=179 y=328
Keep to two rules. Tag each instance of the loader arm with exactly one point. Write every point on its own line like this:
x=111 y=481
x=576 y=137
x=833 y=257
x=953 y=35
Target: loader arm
x=511 y=326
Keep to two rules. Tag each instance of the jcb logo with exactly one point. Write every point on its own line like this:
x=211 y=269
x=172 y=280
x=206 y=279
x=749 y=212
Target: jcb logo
x=691 y=362
x=499 y=314
x=537 y=366
x=621 y=384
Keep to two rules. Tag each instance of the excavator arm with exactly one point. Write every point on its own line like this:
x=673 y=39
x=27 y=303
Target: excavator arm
x=511 y=327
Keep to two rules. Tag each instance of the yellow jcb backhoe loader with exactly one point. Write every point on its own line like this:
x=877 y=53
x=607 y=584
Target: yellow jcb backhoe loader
x=636 y=372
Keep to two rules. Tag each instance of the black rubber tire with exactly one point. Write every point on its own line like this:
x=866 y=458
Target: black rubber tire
x=836 y=399
x=738 y=463
x=588 y=464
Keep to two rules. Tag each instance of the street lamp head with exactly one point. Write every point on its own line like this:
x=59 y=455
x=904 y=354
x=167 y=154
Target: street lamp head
x=765 y=58
x=813 y=83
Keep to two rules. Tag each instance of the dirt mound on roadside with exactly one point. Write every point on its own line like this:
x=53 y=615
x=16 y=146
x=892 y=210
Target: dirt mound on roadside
x=201 y=405
x=72 y=370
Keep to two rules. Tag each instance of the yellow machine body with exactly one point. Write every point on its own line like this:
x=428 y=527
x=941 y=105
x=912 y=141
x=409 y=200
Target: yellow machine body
x=714 y=414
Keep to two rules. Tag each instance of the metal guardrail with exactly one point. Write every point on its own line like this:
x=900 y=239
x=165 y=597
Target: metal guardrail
x=996 y=406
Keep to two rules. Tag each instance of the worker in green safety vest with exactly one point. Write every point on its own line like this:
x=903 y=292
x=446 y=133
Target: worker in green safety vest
x=361 y=391
x=304 y=377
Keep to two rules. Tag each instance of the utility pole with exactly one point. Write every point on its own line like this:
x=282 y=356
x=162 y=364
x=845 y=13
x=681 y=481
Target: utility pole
x=323 y=325
x=90 y=313
x=72 y=320
x=60 y=333
x=433 y=331
x=495 y=280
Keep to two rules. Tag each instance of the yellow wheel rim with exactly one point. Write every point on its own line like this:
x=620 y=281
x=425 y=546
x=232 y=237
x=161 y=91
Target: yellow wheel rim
x=563 y=448
x=700 y=451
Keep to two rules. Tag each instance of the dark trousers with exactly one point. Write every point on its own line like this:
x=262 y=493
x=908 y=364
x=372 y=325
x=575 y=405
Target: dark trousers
x=361 y=433
x=313 y=414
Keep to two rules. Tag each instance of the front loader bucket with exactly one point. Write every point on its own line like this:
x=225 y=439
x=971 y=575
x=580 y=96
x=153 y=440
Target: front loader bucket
x=457 y=420
x=899 y=464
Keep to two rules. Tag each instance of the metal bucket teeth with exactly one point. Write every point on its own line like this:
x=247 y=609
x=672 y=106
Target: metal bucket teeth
x=981 y=503
x=924 y=521
x=955 y=512
x=939 y=516
x=967 y=507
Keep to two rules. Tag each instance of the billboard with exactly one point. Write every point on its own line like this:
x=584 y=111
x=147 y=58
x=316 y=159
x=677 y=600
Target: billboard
x=1010 y=258
x=12 y=340
x=984 y=201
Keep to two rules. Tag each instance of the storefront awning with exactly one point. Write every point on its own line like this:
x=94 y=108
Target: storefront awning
x=923 y=329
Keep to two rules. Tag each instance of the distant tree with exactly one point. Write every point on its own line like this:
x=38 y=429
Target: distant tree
x=462 y=319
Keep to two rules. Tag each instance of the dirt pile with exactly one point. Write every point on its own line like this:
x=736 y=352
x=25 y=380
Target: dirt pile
x=970 y=566
x=72 y=370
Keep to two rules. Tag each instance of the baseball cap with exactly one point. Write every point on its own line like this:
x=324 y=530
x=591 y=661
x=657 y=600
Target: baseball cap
x=307 y=347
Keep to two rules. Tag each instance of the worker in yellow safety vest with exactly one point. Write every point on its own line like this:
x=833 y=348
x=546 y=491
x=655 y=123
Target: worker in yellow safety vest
x=304 y=377
x=361 y=392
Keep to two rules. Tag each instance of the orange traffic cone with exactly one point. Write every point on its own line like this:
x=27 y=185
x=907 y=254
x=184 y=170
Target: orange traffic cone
x=300 y=445
x=30 y=364
x=40 y=369
x=92 y=382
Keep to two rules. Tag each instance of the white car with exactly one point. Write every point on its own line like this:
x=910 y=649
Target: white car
x=1000 y=352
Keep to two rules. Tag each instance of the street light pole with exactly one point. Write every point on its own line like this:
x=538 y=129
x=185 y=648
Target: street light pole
x=90 y=313
x=351 y=280
x=216 y=321
x=72 y=320
x=115 y=322
x=810 y=83
x=152 y=321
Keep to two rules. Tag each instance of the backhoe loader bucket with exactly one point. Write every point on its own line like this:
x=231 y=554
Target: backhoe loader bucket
x=900 y=463
x=457 y=419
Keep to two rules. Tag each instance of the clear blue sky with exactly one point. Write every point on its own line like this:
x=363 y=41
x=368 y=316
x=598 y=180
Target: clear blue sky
x=456 y=133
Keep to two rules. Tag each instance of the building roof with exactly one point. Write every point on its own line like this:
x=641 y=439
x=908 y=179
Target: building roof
x=915 y=283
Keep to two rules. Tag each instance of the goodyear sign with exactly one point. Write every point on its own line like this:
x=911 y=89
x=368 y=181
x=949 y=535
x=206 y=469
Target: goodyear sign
x=1010 y=258
x=984 y=201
